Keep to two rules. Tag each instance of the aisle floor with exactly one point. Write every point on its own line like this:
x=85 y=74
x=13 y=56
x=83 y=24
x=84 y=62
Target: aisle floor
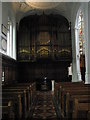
x=44 y=107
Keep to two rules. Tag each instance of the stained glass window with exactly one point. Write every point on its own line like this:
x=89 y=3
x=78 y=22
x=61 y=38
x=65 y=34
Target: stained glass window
x=81 y=45
x=81 y=34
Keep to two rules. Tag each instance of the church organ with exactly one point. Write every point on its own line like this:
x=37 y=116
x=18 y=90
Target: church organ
x=44 y=47
x=44 y=37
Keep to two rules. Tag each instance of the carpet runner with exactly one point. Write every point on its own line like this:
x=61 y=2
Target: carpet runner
x=44 y=108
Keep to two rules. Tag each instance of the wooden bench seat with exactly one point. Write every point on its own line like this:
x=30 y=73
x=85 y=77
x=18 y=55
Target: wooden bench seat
x=21 y=96
x=16 y=100
x=61 y=85
x=15 y=105
x=26 y=95
x=30 y=86
x=69 y=89
x=80 y=108
x=30 y=93
x=7 y=110
x=67 y=93
x=67 y=96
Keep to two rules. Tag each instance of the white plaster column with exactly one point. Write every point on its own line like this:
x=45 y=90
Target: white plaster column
x=14 y=40
x=74 y=69
x=87 y=41
x=77 y=54
x=76 y=75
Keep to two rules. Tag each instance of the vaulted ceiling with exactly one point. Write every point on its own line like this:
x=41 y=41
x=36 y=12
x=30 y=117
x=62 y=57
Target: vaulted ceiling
x=23 y=9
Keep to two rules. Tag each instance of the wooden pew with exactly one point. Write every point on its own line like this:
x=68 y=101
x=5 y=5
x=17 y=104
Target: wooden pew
x=63 y=100
x=25 y=93
x=62 y=89
x=59 y=88
x=67 y=96
x=27 y=86
x=80 y=109
x=32 y=94
x=88 y=115
x=32 y=90
x=56 y=93
x=16 y=100
x=70 y=105
x=27 y=96
x=7 y=111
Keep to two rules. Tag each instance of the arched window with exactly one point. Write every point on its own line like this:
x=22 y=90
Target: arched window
x=80 y=44
x=81 y=34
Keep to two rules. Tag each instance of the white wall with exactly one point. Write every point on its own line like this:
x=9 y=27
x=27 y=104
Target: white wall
x=7 y=11
x=0 y=21
x=0 y=61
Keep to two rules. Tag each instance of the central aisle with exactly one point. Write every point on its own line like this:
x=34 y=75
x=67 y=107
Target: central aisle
x=44 y=107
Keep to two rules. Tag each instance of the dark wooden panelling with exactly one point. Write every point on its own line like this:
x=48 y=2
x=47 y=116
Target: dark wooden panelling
x=38 y=70
x=9 y=66
x=6 y=69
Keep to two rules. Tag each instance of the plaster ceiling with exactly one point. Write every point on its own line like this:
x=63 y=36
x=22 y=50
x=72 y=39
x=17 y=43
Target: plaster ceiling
x=23 y=9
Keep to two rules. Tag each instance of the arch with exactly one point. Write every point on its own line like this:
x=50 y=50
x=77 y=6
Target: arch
x=80 y=57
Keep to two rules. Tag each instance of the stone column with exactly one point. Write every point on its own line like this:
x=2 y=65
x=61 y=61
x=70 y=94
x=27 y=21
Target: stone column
x=77 y=54
x=74 y=70
x=76 y=75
